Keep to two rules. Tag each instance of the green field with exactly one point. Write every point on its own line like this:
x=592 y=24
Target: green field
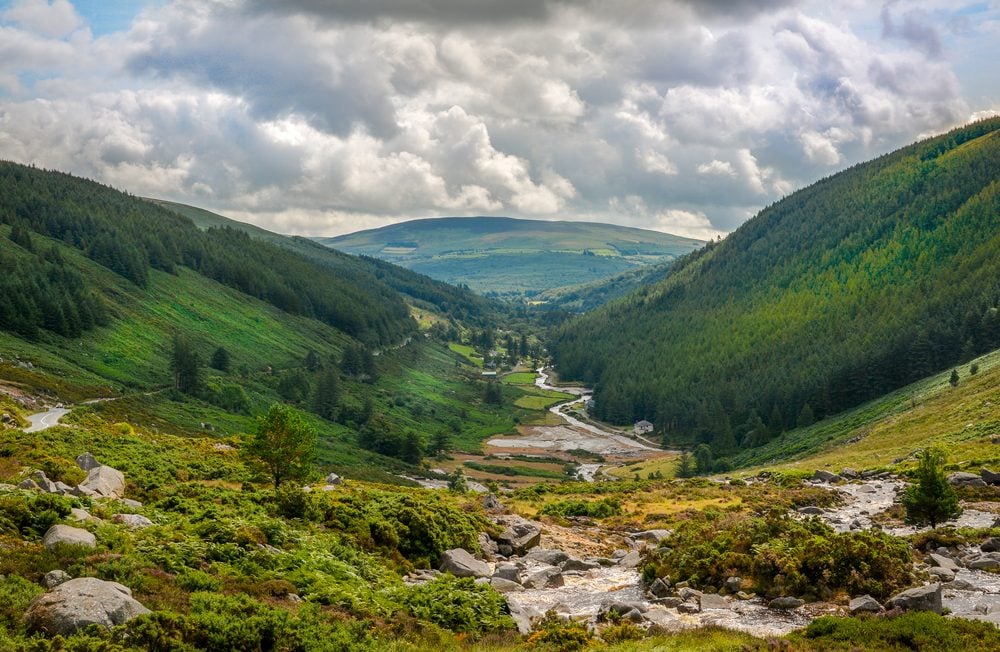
x=520 y=378
x=468 y=353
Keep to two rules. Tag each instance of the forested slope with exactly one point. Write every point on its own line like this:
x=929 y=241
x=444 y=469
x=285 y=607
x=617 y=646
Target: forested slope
x=847 y=289
x=131 y=237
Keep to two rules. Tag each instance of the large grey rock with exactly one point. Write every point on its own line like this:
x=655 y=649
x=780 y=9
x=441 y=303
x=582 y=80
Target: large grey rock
x=687 y=593
x=787 y=602
x=79 y=603
x=630 y=560
x=132 y=521
x=734 y=584
x=922 y=598
x=509 y=572
x=659 y=588
x=105 y=481
x=986 y=561
x=461 y=563
x=546 y=556
x=488 y=546
x=68 y=536
x=810 y=510
x=547 y=578
x=942 y=574
x=620 y=607
x=44 y=483
x=651 y=536
x=990 y=545
x=709 y=601
x=332 y=478
x=865 y=603
x=826 y=476
x=521 y=537
x=943 y=562
x=579 y=565
x=87 y=462
x=849 y=473
x=960 y=478
x=989 y=477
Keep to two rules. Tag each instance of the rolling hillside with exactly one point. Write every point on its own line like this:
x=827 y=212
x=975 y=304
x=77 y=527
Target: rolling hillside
x=857 y=285
x=510 y=257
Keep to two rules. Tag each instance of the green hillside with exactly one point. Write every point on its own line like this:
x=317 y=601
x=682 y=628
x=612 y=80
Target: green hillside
x=512 y=257
x=857 y=285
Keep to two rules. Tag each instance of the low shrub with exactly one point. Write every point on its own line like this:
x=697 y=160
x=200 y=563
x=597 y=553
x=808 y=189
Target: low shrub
x=458 y=604
x=589 y=508
x=919 y=630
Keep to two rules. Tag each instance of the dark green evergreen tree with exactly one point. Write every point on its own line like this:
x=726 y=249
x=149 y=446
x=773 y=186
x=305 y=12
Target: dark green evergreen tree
x=931 y=500
x=326 y=396
x=953 y=379
x=185 y=363
x=703 y=459
x=806 y=417
x=312 y=362
x=685 y=466
x=220 y=360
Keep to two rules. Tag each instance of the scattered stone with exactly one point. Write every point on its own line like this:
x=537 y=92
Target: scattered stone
x=131 y=504
x=651 y=536
x=962 y=585
x=670 y=602
x=921 y=598
x=488 y=546
x=688 y=608
x=461 y=563
x=786 y=603
x=659 y=588
x=733 y=584
x=849 y=473
x=983 y=609
x=29 y=484
x=620 y=607
x=132 y=521
x=521 y=537
x=687 y=593
x=865 y=603
x=505 y=586
x=867 y=489
x=105 y=481
x=44 y=483
x=989 y=477
x=79 y=603
x=961 y=478
x=86 y=461
x=707 y=601
x=868 y=475
x=83 y=492
x=986 y=561
x=547 y=578
x=810 y=510
x=990 y=545
x=581 y=565
x=631 y=560
x=508 y=572
x=332 y=478
x=491 y=502
x=942 y=561
x=743 y=595
x=68 y=536
x=942 y=574
x=661 y=618
x=54 y=578
x=547 y=556
x=826 y=476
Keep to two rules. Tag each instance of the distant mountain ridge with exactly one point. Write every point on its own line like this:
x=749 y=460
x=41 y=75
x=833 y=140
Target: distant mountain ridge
x=514 y=257
x=845 y=290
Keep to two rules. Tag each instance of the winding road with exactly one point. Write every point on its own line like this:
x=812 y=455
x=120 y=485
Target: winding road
x=44 y=420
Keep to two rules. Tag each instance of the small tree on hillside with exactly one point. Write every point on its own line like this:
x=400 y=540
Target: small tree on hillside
x=284 y=443
x=220 y=359
x=704 y=461
x=185 y=363
x=954 y=378
x=806 y=417
x=685 y=465
x=931 y=500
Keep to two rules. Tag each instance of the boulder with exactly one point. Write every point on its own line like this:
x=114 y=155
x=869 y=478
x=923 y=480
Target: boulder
x=651 y=536
x=942 y=574
x=662 y=618
x=960 y=478
x=867 y=489
x=941 y=561
x=620 y=607
x=849 y=473
x=825 y=476
x=733 y=584
x=28 y=484
x=68 y=536
x=922 y=598
x=509 y=572
x=521 y=537
x=688 y=608
x=87 y=462
x=488 y=546
x=809 y=510
x=79 y=603
x=461 y=563
x=491 y=502
x=105 y=481
x=986 y=561
x=505 y=586
x=332 y=478
x=631 y=560
x=963 y=585
x=990 y=545
x=573 y=564
x=546 y=556
x=989 y=477
x=83 y=492
x=44 y=483
x=54 y=578
x=547 y=578
x=131 y=504
x=670 y=602
x=659 y=589
x=132 y=521
x=865 y=603
x=687 y=593
x=708 y=601
x=786 y=603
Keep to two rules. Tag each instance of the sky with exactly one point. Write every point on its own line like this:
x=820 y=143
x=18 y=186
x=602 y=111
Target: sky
x=321 y=117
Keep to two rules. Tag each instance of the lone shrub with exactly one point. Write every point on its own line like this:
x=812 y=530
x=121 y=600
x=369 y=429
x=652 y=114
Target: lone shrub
x=931 y=500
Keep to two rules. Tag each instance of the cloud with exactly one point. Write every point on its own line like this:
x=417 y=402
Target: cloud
x=55 y=19
x=916 y=28
x=690 y=224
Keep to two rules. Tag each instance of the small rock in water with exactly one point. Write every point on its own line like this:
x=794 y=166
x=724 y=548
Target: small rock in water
x=990 y=545
x=659 y=588
x=986 y=561
x=921 y=598
x=867 y=489
x=550 y=557
x=942 y=574
x=942 y=561
x=864 y=603
x=579 y=565
x=687 y=593
x=631 y=560
x=548 y=578
x=707 y=601
x=520 y=537
x=505 y=586
x=670 y=602
x=962 y=585
x=786 y=603
x=688 y=608
x=982 y=609
x=733 y=584
x=849 y=473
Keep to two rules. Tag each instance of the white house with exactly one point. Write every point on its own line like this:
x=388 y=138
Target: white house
x=642 y=427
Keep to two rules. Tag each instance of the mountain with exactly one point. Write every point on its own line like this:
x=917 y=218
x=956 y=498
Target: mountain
x=587 y=296
x=513 y=257
x=103 y=291
x=857 y=285
x=448 y=300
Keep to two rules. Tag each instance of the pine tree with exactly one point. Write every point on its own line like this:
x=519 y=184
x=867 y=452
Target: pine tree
x=685 y=466
x=953 y=380
x=220 y=360
x=776 y=424
x=703 y=459
x=931 y=500
x=312 y=361
x=186 y=366
x=806 y=417
x=326 y=396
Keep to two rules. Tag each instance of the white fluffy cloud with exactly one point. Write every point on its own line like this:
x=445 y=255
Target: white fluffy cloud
x=315 y=118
